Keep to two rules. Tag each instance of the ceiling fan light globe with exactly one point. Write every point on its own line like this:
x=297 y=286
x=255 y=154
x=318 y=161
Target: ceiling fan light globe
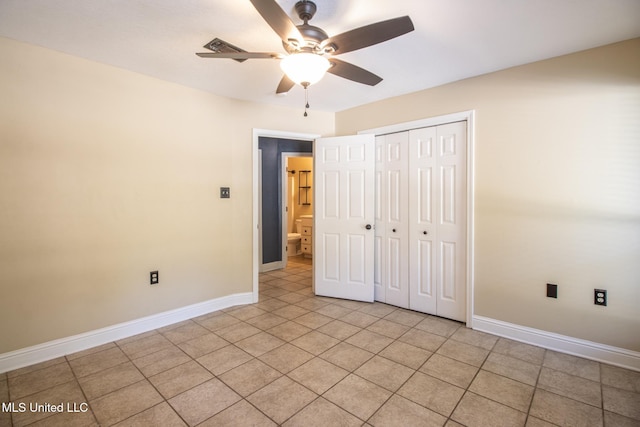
x=305 y=67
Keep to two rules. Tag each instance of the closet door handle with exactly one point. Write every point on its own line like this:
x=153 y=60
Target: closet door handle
x=424 y=232
x=394 y=230
x=368 y=226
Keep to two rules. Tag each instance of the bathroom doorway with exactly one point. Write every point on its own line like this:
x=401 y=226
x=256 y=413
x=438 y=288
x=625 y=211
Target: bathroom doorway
x=271 y=223
x=297 y=205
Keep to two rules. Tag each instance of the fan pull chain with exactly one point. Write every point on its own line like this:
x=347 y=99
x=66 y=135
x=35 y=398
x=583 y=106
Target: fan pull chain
x=306 y=97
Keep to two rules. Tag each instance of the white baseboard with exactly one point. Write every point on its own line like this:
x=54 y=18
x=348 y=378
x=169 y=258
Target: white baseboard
x=275 y=265
x=63 y=346
x=589 y=350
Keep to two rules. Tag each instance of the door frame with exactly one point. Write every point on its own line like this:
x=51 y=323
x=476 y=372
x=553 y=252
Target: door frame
x=469 y=117
x=269 y=133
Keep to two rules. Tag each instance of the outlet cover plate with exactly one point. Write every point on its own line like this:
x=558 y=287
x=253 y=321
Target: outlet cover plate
x=600 y=297
x=225 y=192
x=154 y=278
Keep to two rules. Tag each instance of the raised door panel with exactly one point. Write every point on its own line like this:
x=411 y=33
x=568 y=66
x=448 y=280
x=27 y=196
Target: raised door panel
x=425 y=272
x=447 y=195
x=330 y=250
x=355 y=197
x=447 y=272
x=330 y=205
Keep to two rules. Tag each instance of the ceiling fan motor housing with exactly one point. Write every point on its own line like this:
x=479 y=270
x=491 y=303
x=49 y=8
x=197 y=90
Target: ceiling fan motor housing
x=313 y=36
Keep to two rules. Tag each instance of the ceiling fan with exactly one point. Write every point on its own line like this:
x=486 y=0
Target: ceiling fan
x=310 y=50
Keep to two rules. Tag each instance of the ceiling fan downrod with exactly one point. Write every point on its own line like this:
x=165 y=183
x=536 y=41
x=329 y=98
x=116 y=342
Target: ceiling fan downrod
x=305 y=10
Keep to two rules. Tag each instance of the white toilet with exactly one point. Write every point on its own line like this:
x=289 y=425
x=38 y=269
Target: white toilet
x=294 y=247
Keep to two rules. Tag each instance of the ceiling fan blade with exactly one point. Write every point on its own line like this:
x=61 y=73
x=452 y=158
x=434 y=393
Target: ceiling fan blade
x=353 y=72
x=369 y=35
x=277 y=19
x=241 y=55
x=285 y=85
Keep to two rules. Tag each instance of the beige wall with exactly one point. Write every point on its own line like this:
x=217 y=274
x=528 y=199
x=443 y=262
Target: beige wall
x=106 y=175
x=557 y=187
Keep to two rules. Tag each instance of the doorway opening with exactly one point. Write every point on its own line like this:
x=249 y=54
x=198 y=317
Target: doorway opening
x=269 y=227
x=297 y=205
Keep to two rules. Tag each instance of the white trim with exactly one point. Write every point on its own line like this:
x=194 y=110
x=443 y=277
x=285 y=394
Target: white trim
x=284 y=190
x=63 y=346
x=587 y=349
x=257 y=133
x=259 y=174
x=471 y=179
x=469 y=117
x=270 y=266
x=422 y=123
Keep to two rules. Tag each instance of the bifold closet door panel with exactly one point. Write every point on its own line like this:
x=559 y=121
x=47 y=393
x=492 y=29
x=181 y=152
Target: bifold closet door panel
x=396 y=218
x=423 y=205
x=451 y=217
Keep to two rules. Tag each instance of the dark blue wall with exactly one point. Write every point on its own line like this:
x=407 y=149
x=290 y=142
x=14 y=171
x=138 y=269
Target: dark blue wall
x=272 y=148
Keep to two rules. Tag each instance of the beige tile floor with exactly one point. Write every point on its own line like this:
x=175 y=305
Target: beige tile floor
x=299 y=360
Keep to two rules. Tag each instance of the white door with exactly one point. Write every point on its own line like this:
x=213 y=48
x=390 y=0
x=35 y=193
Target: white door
x=422 y=168
x=437 y=230
x=343 y=241
x=395 y=219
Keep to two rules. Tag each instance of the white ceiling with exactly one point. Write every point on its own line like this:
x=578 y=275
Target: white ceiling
x=453 y=40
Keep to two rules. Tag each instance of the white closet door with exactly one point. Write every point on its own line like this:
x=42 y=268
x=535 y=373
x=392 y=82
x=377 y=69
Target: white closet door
x=343 y=217
x=396 y=219
x=438 y=220
x=422 y=228
x=452 y=220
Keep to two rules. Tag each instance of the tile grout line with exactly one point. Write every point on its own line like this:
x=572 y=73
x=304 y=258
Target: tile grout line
x=601 y=393
x=145 y=378
x=535 y=387
x=75 y=377
x=466 y=389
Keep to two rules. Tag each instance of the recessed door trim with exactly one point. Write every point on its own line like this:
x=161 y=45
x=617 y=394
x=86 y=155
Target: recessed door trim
x=469 y=117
